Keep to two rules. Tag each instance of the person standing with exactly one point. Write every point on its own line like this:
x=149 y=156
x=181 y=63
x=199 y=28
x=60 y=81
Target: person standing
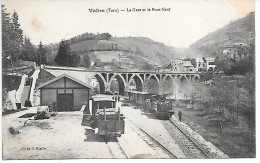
x=180 y=115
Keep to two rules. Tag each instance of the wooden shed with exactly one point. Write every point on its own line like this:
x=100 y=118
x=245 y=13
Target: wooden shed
x=69 y=93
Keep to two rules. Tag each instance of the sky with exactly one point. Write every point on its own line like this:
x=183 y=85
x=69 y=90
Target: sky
x=187 y=21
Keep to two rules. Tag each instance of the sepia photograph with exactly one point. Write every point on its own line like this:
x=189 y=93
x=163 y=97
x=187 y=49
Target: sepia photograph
x=112 y=79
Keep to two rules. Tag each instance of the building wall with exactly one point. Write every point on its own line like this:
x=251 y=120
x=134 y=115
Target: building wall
x=59 y=83
x=80 y=98
x=70 y=83
x=80 y=93
x=200 y=66
x=209 y=66
x=48 y=96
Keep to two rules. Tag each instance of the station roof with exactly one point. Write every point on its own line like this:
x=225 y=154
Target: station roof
x=62 y=76
x=101 y=97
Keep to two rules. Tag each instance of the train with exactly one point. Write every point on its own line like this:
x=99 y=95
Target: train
x=155 y=103
x=106 y=115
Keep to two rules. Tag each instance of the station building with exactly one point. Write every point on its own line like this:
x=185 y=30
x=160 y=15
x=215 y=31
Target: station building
x=69 y=93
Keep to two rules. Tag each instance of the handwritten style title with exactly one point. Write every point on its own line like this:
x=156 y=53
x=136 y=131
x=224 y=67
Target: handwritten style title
x=117 y=10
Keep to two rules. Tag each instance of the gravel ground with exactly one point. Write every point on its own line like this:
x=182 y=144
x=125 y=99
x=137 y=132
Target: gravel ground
x=155 y=128
x=63 y=137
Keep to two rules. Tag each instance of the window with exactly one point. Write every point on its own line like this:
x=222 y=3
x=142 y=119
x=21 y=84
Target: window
x=211 y=63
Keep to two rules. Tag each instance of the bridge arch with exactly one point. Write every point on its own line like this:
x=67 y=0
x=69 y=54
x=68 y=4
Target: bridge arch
x=196 y=78
x=183 y=79
x=121 y=83
x=101 y=83
x=152 y=84
x=167 y=84
x=138 y=80
x=154 y=76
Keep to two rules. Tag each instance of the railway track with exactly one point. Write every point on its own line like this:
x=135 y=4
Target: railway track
x=190 y=148
x=159 y=148
x=117 y=145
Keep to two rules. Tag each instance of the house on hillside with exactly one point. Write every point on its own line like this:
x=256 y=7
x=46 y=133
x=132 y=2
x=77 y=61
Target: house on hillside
x=210 y=63
x=236 y=51
x=175 y=65
x=175 y=68
x=200 y=64
x=186 y=66
x=69 y=93
x=176 y=61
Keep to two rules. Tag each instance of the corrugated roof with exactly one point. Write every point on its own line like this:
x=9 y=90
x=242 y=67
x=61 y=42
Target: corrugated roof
x=61 y=76
x=81 y=75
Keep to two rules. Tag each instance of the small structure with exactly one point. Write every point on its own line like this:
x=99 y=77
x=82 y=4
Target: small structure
x=186 y=66
x=69 y=93
x=200 y=64
x=138 y=97
x=236 y=51
x=210 y=63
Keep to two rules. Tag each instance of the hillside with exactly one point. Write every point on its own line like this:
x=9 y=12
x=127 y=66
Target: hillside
x=238 y=31
x=138 y=52
x=147 y=48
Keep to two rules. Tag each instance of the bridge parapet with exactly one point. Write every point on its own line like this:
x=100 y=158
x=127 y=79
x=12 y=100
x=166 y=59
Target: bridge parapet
x=120 y=70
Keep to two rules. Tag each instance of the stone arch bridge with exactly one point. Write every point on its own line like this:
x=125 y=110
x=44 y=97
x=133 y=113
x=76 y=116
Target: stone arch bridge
x=141 y=79
x=124 y=77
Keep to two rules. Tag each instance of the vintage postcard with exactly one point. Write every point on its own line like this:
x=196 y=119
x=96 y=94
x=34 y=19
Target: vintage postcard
x=128 y=79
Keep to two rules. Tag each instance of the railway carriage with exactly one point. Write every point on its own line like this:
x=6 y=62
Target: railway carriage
x=164 y=110
x=154 y=102
x=106 y=115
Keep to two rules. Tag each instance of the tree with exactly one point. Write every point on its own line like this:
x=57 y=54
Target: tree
x=152 y=86
x=12 y=37
x=41 y=54
x=6 y=33
x=16 y=36
x=87 y=61
x=74 y=60
x=63 y=56
x=29 y=51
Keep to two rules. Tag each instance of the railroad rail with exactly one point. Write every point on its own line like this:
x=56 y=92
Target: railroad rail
x=120 y=147
x=190 y=147
x=157 y=146
x=126 y=155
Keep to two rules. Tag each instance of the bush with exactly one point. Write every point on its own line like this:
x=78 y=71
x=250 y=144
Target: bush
x=53 y=107
x=42 y=113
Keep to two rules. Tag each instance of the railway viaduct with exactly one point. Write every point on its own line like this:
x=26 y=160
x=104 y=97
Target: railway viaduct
x=124 y=77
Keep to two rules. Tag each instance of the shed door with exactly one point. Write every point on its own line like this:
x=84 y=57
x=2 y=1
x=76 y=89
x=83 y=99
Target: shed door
x=65 y=102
